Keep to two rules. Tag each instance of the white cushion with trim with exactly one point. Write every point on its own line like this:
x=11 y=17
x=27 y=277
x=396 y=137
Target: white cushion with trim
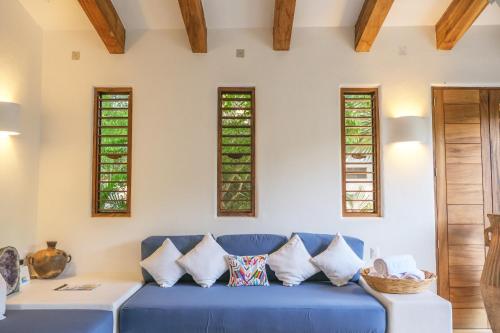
x=206 y=262
x=338 y=261
x=163 y=266
x=292 y=263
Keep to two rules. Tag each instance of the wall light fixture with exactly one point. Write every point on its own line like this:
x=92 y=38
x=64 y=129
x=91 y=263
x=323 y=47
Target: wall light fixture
x=408 y=129
x=10 y=119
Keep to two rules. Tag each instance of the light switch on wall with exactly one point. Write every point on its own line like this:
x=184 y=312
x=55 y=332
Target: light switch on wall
x=240 y=53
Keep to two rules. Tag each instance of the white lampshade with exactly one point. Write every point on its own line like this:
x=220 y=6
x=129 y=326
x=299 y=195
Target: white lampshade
x=10 y=118
x=408 y=129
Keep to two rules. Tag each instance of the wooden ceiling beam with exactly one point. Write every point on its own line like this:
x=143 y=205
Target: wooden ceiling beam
x=455 y=22
x=103 y=16
x=284 y=11
x=370 y=21
x=194 y=20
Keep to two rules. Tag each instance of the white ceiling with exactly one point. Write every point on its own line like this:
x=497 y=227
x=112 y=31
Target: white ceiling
x=222 y=14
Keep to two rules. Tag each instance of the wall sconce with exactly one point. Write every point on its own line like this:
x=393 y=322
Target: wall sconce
x=9 y=118
x=408 y=129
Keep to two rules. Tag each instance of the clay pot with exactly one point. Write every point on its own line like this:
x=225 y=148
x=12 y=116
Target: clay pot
x=490 y=279
x=49 y=263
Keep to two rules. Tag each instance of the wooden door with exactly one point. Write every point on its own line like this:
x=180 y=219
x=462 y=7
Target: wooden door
x=463 y=198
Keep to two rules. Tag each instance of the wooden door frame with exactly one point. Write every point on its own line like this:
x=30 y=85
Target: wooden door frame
x=495 y=151
x=441 y=211
x=439 y=152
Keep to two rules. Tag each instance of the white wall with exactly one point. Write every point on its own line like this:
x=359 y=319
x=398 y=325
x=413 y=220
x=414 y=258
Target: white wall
x=298 y=139
x=20 y=81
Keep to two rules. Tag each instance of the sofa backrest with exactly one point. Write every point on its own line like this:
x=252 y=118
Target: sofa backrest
x=251 y=245
x=183 y=243
x=317 y=243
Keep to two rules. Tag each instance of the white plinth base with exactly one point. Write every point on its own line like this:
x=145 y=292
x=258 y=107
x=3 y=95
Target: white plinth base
x=416 y=313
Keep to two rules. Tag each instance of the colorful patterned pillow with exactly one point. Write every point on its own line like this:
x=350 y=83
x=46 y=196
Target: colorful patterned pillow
x=247 y=270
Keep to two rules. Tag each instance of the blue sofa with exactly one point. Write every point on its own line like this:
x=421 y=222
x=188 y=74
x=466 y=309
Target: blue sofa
x=57 y=321
x=313 y=307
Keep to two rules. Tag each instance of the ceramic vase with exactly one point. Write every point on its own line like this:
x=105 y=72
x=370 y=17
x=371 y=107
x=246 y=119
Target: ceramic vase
x=490 y=279
x=49 y=263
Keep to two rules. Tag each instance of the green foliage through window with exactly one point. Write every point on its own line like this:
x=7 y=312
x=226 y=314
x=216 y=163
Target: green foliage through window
x=360 y=145
x=236 y=185
x=112 y=152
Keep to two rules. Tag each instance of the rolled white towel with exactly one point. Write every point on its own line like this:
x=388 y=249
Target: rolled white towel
x=395 y=265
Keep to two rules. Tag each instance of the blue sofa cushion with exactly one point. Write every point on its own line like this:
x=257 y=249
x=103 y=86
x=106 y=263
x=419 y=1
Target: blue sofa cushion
x=317 y=243
x=183 y=243
x=251 y=245
x=312 y=307
x=57 y=321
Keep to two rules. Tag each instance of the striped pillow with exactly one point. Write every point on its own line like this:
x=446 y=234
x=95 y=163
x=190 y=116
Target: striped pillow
x=247 y=270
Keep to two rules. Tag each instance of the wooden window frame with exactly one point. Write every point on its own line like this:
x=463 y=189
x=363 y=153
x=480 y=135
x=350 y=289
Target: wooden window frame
x=95 y=164
x=226 y=213
x=376 y=154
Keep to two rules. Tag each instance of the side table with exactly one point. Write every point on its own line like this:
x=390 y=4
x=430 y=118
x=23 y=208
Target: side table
x=109 y=295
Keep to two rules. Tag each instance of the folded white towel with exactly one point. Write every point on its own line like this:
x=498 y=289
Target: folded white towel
x=415 y=275
x=395 y=265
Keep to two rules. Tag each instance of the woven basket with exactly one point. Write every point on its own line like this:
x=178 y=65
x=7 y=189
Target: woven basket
x=398 y=286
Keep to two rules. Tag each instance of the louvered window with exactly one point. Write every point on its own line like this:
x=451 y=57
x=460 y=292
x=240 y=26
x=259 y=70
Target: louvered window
x=360 y=152
x=236 y=152
x=112 y=152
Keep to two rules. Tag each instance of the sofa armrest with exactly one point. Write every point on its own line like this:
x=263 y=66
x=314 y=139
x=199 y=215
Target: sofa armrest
x=415 y=313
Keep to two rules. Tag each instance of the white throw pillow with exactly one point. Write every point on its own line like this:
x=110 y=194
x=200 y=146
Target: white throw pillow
x=3 y=297
x=338 y=261
x=292 y=263
x=163 y=266
x=206 y=262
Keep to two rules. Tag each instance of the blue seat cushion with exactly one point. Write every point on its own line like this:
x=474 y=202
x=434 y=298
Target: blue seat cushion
x=183 y=243
x=57 y=321
x=317 y=243
x=251 y=245
x=312 y=307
